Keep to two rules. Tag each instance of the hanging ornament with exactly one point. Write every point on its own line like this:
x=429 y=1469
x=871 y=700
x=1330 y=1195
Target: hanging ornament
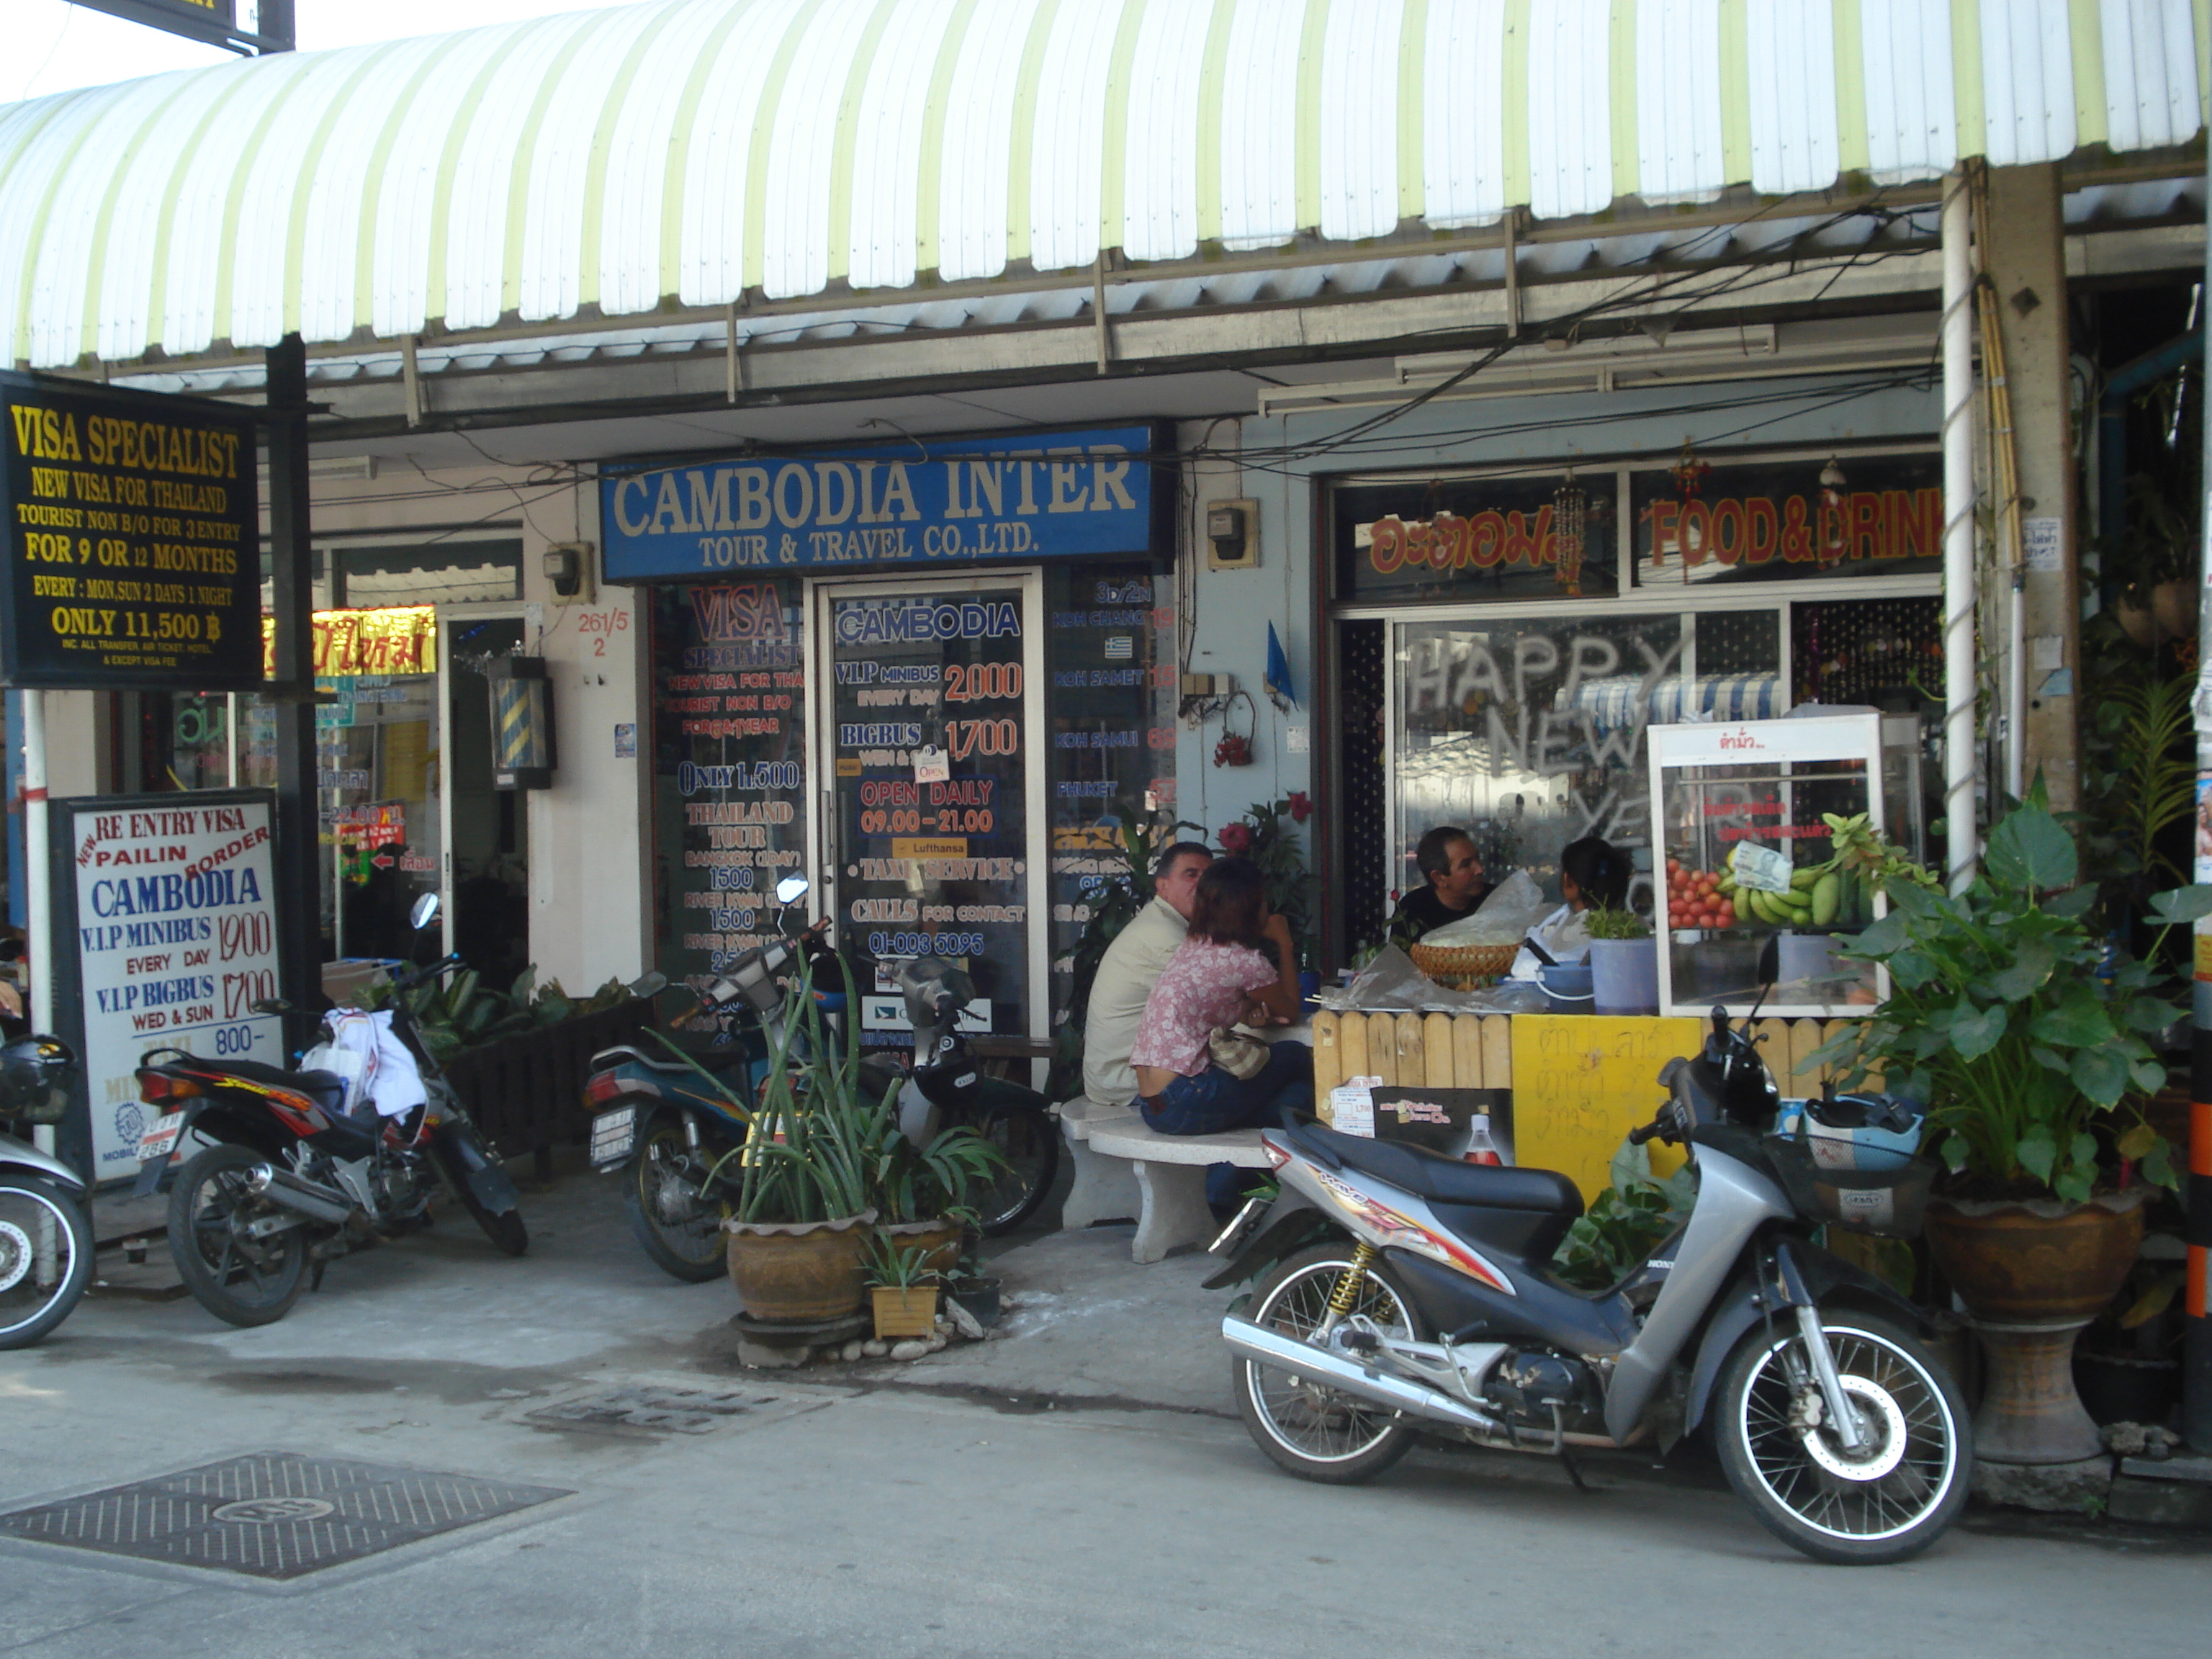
x=1830 y=549
x=1689 y=472
x=1569 y=511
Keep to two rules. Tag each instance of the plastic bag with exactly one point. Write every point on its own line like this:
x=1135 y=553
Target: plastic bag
x=1504 y=918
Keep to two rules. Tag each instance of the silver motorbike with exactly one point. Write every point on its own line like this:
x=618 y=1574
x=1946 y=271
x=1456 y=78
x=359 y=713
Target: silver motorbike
x=1406 y=1293
x=45 y=1236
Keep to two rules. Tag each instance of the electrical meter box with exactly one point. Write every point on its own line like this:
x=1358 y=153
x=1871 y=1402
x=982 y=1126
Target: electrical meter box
x=1739 y=815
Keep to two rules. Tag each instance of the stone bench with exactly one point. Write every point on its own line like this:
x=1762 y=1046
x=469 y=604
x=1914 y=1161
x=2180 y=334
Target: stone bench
x=1170 y=1177
x=1104 y=1189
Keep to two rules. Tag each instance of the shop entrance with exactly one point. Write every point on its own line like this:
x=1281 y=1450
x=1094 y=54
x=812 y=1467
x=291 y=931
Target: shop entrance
x=930 y=808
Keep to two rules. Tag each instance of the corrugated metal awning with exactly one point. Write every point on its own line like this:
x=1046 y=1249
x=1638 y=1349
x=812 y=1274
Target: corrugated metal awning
x=696 y=153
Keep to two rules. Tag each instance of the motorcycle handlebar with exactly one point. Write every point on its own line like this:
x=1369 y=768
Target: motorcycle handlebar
x=1648 y=1132
x=442 y=966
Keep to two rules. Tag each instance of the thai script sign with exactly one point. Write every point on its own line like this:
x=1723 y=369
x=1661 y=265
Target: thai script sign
x=403 y=640
x=132 y=542
x=1050 y=496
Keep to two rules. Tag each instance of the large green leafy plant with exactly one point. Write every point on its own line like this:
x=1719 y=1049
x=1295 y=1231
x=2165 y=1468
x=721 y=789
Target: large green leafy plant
x=2006 y=1016
x=1268 y=834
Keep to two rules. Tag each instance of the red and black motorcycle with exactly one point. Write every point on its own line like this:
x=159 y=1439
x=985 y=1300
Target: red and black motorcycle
x=293 y=1179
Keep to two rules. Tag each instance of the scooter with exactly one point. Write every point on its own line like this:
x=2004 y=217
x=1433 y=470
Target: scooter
x=1410 y=1293
x=293 y=1179
x=45 y=1236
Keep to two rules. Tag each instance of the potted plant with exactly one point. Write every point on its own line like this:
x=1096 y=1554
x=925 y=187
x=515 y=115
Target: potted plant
x=1267 y=835
x=1624 y=962
x=800 y=1198
x=902 y=1290
x=2006 y=1017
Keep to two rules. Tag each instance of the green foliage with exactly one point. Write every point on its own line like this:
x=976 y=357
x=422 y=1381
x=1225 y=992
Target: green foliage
x=1269 y=837
x=1606 y=922
x=820 y=1145
x=1625 y=1223
x=2005 y=1017
x=2142 y=727
x=897 y=1266
x=460 y=1011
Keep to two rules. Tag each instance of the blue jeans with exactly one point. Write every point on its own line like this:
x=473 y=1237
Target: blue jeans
x=1213 y=1102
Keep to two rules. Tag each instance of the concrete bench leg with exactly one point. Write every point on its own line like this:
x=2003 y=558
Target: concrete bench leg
x=1175 y=1211
x=1104 y=1190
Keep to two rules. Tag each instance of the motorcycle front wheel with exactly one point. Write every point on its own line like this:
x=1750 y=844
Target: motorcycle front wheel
x=505 y=1228
x=679 y=1231
x=1028 y=1138
x=1886 y=1500
x=241 y=1279
x=46 y=1259
x=1314 y=1432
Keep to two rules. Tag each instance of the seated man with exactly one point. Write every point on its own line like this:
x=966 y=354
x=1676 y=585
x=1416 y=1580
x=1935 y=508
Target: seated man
x=1130 y=968
x=1456 y=885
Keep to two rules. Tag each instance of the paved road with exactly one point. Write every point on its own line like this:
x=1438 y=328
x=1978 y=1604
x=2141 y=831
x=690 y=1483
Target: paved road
x=943 y=1511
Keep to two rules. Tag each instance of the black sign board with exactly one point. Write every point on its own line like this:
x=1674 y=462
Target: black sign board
x=132 y=541
x=214 y=21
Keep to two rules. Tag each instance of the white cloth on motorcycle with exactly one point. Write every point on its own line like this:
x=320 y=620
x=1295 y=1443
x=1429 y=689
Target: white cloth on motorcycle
x=1448 y=1180
x=375 y=1065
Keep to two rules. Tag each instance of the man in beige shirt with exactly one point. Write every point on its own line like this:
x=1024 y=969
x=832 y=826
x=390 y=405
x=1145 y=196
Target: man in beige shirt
x=1130 y=968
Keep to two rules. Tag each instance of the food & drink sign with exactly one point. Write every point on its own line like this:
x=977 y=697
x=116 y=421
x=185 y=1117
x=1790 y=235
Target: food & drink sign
x=132 y=542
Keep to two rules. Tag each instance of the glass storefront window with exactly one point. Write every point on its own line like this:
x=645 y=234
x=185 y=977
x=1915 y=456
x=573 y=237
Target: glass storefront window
x=1527 y=731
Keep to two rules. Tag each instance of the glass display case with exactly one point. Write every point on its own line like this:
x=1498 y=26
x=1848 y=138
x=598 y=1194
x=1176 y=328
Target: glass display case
x=1740 y=811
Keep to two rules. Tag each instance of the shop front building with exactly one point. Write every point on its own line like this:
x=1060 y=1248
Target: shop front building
x=935 y=680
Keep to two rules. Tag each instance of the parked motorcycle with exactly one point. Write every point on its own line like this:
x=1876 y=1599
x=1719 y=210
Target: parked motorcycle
x=45 y=1236
x=667 y=1120
x=294 y=1180
x=1406 y=1292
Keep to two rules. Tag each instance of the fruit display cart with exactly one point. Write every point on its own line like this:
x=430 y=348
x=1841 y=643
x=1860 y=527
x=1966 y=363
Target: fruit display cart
x=1745 y=816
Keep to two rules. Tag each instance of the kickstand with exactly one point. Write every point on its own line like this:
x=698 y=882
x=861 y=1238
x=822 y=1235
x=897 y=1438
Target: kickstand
x=1565 y=1452
x=315 y=1282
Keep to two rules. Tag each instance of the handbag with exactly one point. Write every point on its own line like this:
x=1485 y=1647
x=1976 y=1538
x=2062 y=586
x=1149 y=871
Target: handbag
x=1243 y=1057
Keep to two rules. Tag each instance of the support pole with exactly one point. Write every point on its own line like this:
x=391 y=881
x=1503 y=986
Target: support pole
x=37 y=879
x=2196 y=1193
x=1961 y=840
x=291 y=572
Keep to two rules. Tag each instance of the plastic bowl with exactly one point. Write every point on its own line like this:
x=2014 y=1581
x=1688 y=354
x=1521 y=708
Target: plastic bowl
x=1566 y=982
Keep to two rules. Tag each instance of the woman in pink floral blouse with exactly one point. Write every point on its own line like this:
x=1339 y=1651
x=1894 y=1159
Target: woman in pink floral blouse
x=1236 y=966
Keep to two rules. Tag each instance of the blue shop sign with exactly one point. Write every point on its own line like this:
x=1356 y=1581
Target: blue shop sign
x=1039 y=496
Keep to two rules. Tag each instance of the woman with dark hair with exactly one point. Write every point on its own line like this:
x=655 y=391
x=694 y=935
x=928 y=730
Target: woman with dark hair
x=1593 y=876
x=1237 y=966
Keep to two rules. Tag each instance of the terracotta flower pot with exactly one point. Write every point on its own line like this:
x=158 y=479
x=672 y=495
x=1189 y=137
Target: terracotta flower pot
x=2033 y=1275
x=2175 y=605
x=2037 y=1263
x=802 y=1272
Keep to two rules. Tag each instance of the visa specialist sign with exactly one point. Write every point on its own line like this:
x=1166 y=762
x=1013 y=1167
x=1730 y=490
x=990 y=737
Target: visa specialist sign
x=1041 y=495
x=132 y=541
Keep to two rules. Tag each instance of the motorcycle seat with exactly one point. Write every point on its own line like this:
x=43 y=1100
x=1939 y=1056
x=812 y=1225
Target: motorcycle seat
x=326 y=1087
x=1447 y=1179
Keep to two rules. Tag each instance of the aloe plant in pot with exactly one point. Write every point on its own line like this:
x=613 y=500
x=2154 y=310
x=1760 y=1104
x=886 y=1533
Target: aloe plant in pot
x=2006 y=1015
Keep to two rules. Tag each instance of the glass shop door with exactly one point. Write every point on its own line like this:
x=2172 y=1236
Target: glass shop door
x=928 y=805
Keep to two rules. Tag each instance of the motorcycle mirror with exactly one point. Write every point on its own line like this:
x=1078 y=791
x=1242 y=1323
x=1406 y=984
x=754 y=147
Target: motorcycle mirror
x=1770 y=960
x=269 y=1006
x=649 y=985
x=425 y=913
x=791 y=890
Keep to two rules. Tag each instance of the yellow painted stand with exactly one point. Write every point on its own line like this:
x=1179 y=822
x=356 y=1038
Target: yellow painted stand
x=1582 y=1081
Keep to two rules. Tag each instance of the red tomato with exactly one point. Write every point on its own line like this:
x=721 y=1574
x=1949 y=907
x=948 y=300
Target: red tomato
x=1673 y=866
x=1727 y=913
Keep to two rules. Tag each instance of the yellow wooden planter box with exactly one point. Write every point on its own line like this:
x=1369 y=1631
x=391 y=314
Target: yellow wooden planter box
x=904 y=1313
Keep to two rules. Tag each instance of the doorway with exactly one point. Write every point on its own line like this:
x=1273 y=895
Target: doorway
x=929 y=812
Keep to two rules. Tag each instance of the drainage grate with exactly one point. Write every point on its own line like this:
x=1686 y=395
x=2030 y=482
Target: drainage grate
x=272 y=1515
x=668 y=1410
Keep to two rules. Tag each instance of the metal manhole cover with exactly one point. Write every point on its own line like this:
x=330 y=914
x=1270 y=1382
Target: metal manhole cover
x=666 y=1409
x=272 y=1515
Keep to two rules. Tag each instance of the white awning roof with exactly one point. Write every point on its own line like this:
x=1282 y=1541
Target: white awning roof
x=699 y=153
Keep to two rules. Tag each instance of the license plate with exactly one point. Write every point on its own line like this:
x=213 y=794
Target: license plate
x=613 y=1135
x=159 y=1139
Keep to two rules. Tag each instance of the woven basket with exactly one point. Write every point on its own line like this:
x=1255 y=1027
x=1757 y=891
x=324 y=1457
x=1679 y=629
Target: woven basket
x=1464 y=967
